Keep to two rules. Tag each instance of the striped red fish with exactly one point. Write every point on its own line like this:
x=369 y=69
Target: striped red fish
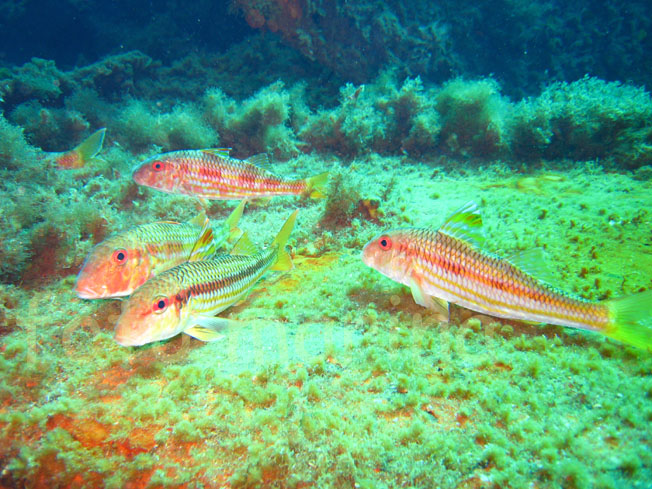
x=186 y=298
x=450 y=265
x=122 y=263
x=213 y=174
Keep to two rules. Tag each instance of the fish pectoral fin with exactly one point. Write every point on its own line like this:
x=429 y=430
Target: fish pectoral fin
x=203 y=334
x=209 y=328
x=435 y=304
x=420 y=297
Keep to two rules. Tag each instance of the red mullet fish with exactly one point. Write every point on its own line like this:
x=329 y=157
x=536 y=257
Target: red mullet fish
x=212 y=174
x=450 y=264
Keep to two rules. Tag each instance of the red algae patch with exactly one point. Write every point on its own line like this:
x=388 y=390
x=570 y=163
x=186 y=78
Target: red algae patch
x=87 y=431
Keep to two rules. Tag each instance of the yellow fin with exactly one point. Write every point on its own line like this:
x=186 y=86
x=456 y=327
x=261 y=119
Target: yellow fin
x=258 y=160
x=198 y=220
x=244 y=246
x=233 y=219
x=465 y=224
x=205 y=333
x=91 y=145
x=205 y=245
x=316 y=186
x=220 y=152
x=435 y=304
x=284 y=260
x=231 y=228
x=631 y=320
x=532 y=262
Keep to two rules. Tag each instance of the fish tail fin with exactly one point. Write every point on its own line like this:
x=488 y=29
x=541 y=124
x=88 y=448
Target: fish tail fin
x=283 y=259
x=631 y=320
x=316 y=186
x=92 y=145
x=205 y=246
x=231 y=223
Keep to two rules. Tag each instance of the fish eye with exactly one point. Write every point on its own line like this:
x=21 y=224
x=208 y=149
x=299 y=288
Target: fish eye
x=385 y=243
x=160 y=304
x=120 y=256
x=157 y=166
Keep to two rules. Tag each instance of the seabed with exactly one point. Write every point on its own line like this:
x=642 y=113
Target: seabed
x=333 y=376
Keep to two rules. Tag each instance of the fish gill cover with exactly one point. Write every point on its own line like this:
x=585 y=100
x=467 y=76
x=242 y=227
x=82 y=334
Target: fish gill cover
x=329 y=374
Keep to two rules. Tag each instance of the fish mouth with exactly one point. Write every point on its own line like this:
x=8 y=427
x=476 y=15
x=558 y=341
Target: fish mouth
x=123 y=341
x=85 y=291
x=88 y=292
x=126 y=340
x=367 y=257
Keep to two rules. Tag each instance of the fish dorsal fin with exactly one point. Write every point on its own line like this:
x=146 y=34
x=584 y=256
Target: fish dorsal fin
x=231 y=224
x=205 y=246
x=244 y=246
x=233 y=219
x=465 y=224
x=283 y=258
x=258 y=160
x=221 y=152
x=199 y=219
x=533 y=263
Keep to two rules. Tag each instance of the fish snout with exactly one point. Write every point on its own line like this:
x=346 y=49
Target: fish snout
x=125 y=335
x=124 y=340
x=86 y=290
x=367 y=256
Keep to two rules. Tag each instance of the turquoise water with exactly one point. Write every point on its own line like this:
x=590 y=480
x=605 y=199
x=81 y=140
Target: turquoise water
x=328 y=374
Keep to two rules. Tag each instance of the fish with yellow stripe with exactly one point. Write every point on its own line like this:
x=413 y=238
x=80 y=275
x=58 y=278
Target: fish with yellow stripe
x=186 y=298
x=120 y=264
x=214 y=175
x=450 y=265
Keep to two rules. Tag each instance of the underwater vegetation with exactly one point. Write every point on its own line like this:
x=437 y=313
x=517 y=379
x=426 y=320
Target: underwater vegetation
x=522 y=43
x=326 y=373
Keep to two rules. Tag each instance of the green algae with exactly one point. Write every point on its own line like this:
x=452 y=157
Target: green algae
x=333 y=376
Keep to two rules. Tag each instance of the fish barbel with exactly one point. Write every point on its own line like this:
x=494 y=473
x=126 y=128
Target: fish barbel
x=186 y=298
x=212 y=174
x=450 y=265
x=120 y=264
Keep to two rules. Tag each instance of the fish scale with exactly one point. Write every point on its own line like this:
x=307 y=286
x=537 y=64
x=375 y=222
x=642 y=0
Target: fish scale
x=213 y=174
x=168 y=241
x=451 y=265
x=123 y=262
x=186 y=298
x=454 y=271
x=209 y=287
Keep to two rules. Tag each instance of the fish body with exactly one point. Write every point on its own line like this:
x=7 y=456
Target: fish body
x=122 y=263
x=214 y=175
x=80 y=155
x=187 y=297
x=451 y=265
